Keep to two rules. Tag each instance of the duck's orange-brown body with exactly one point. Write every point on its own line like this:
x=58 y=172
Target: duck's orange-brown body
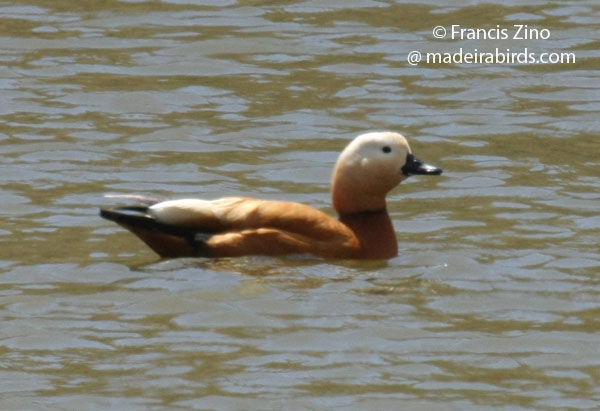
x=235 y=226
x=248 y=226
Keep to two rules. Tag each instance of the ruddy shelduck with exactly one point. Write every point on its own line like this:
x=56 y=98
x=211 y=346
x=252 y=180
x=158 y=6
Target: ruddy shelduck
x=368 y=168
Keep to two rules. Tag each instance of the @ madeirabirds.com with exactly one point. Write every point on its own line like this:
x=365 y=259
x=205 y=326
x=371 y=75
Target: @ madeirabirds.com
x=496 y=55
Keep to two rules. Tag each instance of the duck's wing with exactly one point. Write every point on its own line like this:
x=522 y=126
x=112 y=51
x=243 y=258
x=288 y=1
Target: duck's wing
x=235 y=226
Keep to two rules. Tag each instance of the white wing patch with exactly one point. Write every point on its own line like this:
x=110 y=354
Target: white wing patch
x=181 y=211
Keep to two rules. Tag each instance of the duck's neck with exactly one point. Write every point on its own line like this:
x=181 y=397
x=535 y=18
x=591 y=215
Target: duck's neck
x=348 y=201
x=375 y=231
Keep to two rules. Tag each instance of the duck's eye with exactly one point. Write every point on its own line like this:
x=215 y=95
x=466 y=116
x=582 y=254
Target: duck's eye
x=386 y=149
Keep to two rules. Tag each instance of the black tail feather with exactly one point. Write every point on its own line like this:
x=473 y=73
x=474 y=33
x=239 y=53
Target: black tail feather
x=139 y=209
x=136 y=217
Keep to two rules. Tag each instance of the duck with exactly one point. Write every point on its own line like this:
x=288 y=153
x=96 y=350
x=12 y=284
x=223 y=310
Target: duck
x=370 y=166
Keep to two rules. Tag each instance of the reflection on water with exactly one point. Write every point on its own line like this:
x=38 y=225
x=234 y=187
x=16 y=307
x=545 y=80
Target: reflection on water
x=493 y=301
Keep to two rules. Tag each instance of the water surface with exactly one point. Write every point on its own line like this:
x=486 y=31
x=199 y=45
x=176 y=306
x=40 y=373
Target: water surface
x=493 y=302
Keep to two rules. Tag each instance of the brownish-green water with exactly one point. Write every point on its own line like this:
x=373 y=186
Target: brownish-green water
x=493 y=302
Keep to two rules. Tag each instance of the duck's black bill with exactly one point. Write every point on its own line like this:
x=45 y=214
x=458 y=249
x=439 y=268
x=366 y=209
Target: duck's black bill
x=414 y=166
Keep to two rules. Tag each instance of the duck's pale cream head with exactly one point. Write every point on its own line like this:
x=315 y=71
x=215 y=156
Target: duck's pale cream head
x=369 y=167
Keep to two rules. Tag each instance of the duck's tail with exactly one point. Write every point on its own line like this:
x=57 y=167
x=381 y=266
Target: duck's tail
x=165 y=239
